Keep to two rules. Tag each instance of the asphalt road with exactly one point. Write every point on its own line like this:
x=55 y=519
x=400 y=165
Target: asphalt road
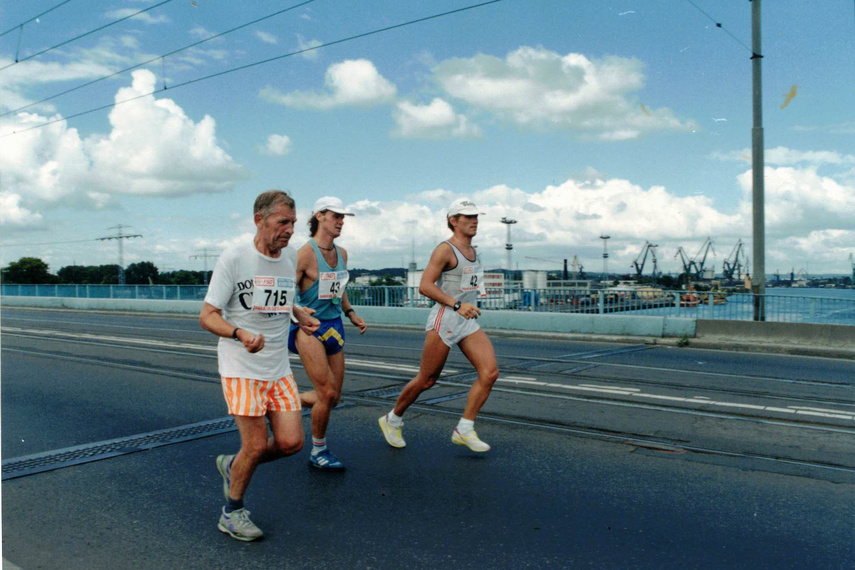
x=604 y=455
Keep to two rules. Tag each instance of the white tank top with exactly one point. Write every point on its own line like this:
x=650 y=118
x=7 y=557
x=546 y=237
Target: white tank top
x=465 y=281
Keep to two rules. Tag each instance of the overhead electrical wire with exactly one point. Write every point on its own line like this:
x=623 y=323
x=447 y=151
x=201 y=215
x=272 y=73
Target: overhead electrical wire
x=34 y=18
x=84 y=34
x=160 y=57
x=257 y=63
x=720 y=26
x=5 y=245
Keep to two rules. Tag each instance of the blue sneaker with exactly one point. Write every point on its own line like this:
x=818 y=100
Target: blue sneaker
x=326 y=460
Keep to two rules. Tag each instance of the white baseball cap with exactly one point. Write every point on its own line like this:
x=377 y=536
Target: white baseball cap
x=330 y=203
x=462 y=206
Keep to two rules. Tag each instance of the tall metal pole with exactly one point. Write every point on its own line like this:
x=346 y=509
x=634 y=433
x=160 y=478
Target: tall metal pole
x=205 y=256
x=758 y=283
x=605 y=256
x=119 y=237
x=414 y=224
x=509 y=246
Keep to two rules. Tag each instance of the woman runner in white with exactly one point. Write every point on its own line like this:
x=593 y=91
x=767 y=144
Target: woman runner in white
x=452 y=278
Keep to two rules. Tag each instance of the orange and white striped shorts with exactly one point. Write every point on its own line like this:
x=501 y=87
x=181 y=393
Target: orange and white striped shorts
x=254 y=398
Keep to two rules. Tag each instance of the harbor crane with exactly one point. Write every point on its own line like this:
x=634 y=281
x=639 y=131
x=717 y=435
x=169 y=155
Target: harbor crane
x=650 y=249
x=684 y=259
x=732 y=264
x=578 y=268
x=702 y=254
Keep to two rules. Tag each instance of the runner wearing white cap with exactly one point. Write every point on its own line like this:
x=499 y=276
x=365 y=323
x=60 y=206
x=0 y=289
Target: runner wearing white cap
x=321 y=279
x=453 y=278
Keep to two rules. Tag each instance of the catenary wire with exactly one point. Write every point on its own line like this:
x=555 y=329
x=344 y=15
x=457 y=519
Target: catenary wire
x=5 y=245
x=720 y=26
x=83 y=35
x=255 y=64
x=24 y=23
x=160 y=57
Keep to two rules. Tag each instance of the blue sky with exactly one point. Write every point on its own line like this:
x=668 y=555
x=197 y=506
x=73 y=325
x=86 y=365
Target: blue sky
x=577 y=119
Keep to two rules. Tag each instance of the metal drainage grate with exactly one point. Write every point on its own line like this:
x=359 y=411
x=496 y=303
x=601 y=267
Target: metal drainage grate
x=48 y=461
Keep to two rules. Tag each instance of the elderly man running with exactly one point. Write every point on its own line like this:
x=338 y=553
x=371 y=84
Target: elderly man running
x=249 y=305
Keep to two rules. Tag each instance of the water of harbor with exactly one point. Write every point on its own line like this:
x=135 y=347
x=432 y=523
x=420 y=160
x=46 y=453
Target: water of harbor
x=783 y=304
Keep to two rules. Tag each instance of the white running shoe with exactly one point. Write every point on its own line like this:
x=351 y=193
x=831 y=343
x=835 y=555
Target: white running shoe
x=237 y=525
x=470 y=440
x=392 y=433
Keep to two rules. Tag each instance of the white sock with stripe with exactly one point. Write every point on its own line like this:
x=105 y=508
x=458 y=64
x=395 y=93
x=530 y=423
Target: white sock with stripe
x=318 y=445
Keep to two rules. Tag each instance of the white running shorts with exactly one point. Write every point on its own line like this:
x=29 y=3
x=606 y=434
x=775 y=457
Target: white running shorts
x=451 y=327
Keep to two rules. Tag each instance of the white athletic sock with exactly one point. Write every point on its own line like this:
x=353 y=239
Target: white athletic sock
x=465 y=426
x=393 y=419
x=318 y=445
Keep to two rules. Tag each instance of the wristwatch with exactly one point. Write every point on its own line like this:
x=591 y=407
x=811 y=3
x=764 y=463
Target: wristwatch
x=456 y=306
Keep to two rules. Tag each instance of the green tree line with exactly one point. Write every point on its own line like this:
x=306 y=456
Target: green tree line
x=34 y=271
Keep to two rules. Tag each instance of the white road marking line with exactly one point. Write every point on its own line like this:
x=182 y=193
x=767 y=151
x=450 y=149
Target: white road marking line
x=827 y=411
x=391 y=366
x=208 y=347
x=780 y=410
x=698 y=400
x=105 y=338
x=824 y=415
x=621 y=388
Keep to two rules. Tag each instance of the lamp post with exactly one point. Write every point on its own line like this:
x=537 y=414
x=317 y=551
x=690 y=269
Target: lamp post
x=758 y=285
x=605 y=239
x=509 y=246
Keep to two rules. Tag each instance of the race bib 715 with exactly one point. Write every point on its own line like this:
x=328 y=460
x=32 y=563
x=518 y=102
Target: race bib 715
x=273 y=294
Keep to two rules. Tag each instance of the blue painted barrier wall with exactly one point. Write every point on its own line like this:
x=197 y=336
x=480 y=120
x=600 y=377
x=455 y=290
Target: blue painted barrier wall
x=617 y=324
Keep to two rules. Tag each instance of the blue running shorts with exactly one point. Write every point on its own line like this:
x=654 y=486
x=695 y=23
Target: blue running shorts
x=330 y=333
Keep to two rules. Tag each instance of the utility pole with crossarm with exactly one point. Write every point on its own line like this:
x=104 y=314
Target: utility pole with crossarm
x=119 y=237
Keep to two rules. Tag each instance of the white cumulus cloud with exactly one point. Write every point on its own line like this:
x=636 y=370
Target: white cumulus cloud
x=349 y=83
x=266 y=37
x=437 y=120
x=308 y=45
x=808 y=217
x=144 y=17
x=538 y=88
x=13 y=214
x=800 y=200
x=153 y=148
x=277 y=145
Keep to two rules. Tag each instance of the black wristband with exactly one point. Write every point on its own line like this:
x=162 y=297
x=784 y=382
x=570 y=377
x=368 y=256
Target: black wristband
x=234 y=333
x=456 y=305
x=347 y=312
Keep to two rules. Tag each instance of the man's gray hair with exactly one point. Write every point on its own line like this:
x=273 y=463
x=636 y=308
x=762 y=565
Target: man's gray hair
x=266 y=202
